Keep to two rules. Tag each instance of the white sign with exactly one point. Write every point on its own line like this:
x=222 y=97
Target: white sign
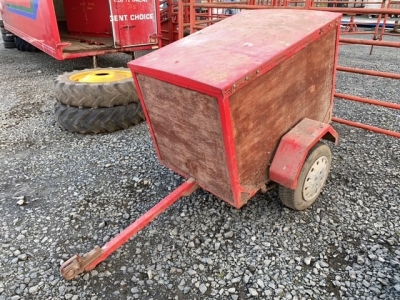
x=133 y=17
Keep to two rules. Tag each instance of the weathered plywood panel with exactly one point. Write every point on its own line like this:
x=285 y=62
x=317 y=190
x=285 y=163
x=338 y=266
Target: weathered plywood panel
x=263 y=111
x=188 y=133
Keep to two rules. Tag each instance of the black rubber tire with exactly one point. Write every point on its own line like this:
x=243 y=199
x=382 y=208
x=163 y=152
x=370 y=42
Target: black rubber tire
x=3 y=30
x=295 y=198
x=95 y=95
x=9 y=45
x=23 y=45
x=1 y=23
x=8 y=37
x=98 y=120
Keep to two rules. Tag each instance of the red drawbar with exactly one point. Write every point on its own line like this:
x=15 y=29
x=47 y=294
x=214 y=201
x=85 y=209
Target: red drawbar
x=184 y=189
x=293 y=149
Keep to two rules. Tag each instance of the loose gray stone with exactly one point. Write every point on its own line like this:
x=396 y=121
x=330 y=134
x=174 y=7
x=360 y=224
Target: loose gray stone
x=23 y=257
x=260 y=283
x=323 y=264
x=253 y=292
x=202 y=288
x=34 y=289
x=365 y=283
x=246 y=279
x=360 y=260
x=307 y=260
x=228 y=234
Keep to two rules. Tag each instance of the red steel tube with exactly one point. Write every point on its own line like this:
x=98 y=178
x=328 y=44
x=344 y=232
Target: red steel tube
x=186 y=188
x=370 y=43
x=378 y=22
x=384 y=22
x=180 y=19
x=368 y=101
x=383 y=26
x=343 y=2
x=369 y=72
x=366 y=127
x=354 y=32
x=364 y=11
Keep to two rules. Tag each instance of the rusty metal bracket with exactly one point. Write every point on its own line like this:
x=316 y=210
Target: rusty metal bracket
x=77 y=264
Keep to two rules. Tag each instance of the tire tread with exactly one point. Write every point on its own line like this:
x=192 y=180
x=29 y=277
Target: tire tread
x=23 y=45
x=98 y=120
x=293 y=198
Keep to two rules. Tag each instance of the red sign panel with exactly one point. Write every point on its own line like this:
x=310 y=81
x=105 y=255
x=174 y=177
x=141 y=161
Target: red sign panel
x=134 y=22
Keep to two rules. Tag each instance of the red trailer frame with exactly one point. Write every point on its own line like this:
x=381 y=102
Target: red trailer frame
x=67 y=29
x=232 y=128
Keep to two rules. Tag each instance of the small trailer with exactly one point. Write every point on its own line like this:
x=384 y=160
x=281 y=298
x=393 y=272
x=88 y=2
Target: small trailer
x=67 y=29
x=238 y=107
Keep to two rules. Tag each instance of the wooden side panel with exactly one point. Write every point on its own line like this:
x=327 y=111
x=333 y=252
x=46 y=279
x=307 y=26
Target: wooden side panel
x=263 y=111
x=188 y=133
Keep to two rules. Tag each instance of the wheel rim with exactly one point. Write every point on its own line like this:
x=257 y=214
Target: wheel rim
x=315 y=178
x=101 y=75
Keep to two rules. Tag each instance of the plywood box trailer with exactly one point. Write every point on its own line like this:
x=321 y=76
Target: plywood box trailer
x=219 y=101
x=68 y=29
x=235 y=106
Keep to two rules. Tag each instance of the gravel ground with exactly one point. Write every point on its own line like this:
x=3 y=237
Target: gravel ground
x=62 y=193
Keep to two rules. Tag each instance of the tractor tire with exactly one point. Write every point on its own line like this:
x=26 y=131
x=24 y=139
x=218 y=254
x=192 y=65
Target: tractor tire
x=23 y=45
x=98 y=120
x=311 y=180
x=9 y=45
x=8 y=37
x=96 y=88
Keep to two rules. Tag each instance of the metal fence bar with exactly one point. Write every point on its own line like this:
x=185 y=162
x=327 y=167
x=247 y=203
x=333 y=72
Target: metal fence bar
x=370 y=43
x=368 y=101
x=368 y=72
x=366 y=127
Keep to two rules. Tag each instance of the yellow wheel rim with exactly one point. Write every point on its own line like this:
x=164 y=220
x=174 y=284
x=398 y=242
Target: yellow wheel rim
x=101 y=75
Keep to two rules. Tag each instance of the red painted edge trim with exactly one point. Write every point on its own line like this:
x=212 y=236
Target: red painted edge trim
x=230 y=153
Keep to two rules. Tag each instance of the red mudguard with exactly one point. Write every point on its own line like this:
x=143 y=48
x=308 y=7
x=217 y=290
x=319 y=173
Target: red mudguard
x=293 y=149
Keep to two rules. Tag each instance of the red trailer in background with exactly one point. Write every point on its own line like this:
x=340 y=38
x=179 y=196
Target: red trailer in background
x=68 y=29
x=222 y=117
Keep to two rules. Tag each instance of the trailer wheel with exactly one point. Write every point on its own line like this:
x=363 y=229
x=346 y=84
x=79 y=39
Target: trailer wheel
x=9 y=45
x=311 y=180
x=98 y=120
x=24 y=46
x=96 y=88
x=8 y=37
